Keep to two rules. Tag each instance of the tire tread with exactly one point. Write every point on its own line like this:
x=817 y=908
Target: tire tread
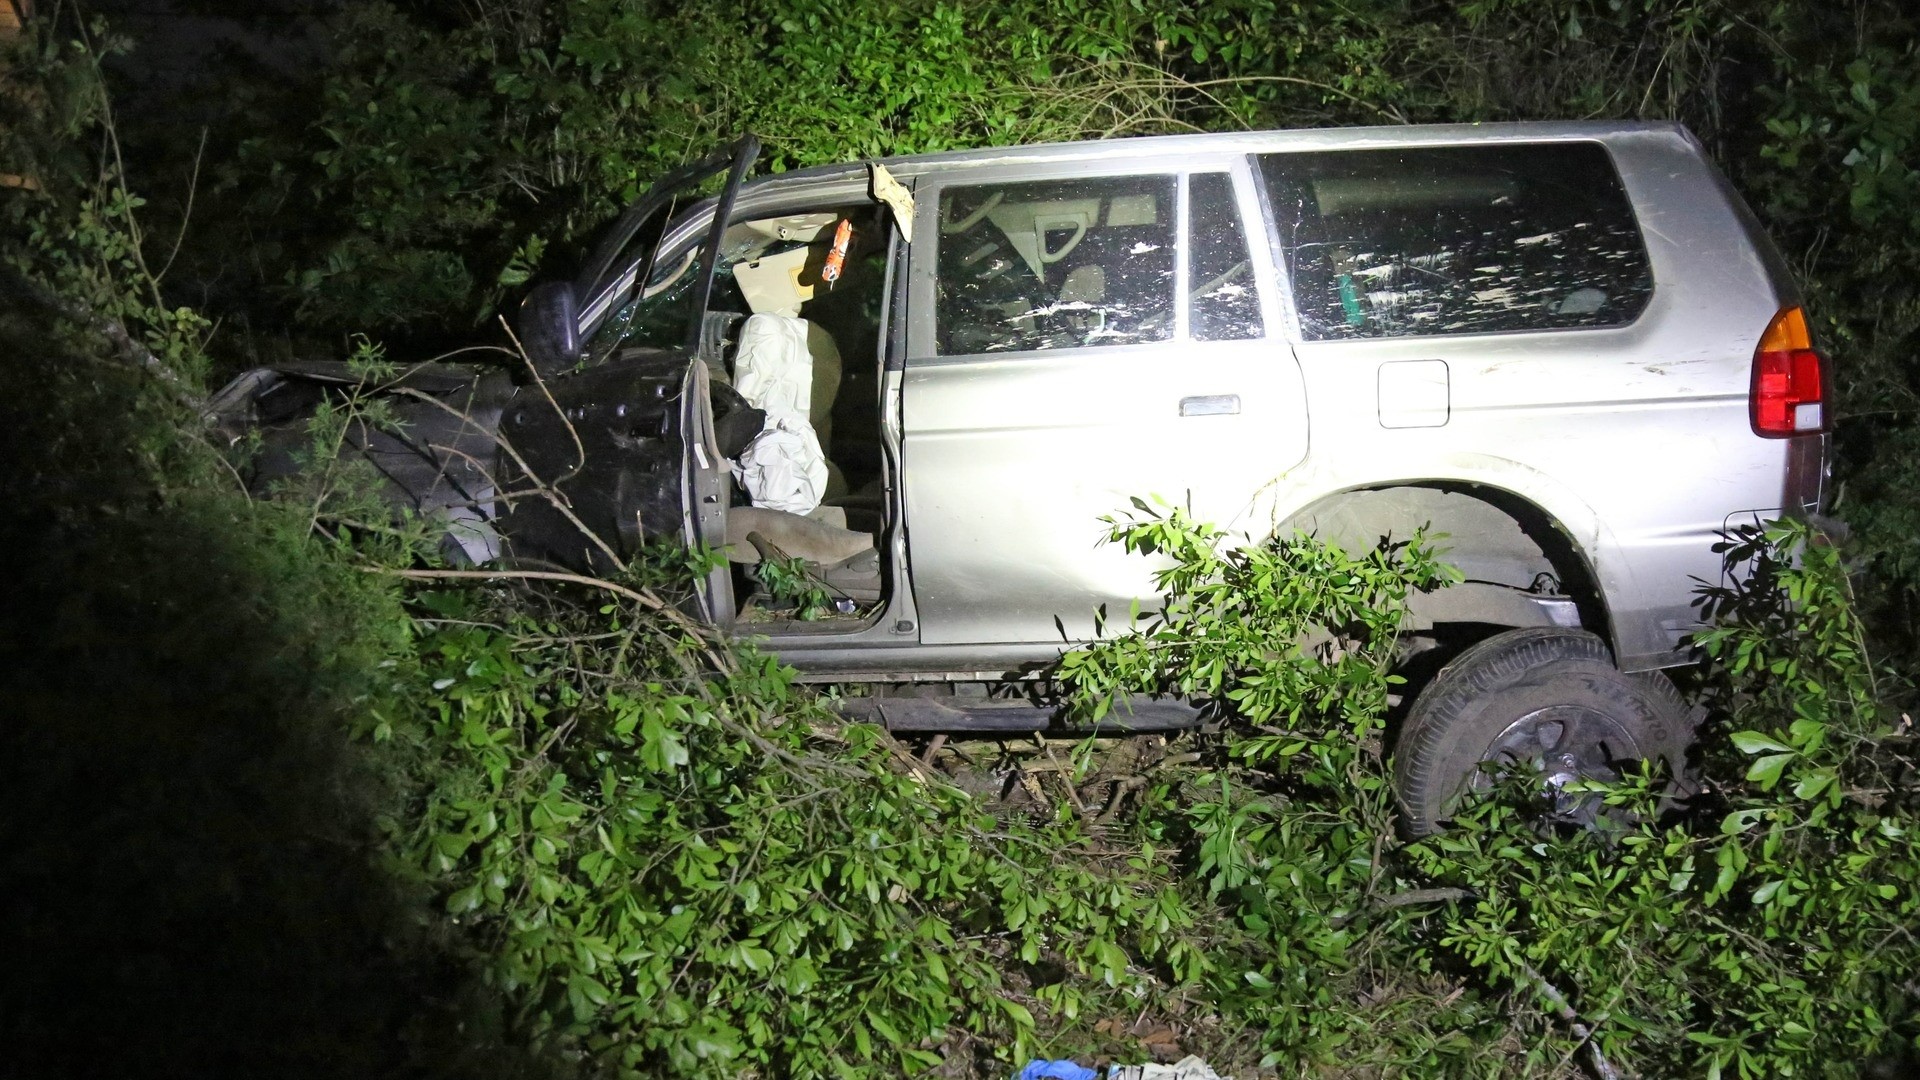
x=1501 y=663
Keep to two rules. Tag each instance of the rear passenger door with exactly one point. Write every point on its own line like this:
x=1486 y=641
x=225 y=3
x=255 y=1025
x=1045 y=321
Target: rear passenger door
x=1076 y=338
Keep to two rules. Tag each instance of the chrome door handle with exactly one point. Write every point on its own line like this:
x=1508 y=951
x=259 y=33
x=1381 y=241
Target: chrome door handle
x=1210 y=405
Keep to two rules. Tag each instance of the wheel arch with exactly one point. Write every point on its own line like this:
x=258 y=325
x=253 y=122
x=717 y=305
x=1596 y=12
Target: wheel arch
x=1500 y=540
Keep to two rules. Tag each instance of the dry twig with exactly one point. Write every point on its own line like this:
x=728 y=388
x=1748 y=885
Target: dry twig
x=1601 y=1066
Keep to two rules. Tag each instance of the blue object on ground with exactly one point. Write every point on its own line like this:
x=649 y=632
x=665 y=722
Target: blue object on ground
x=1055 y=1070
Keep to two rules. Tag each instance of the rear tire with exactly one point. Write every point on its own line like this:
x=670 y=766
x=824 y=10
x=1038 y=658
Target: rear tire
x=1544 y=695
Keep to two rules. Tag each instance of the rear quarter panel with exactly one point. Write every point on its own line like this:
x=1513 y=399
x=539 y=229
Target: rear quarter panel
x=1636 y=439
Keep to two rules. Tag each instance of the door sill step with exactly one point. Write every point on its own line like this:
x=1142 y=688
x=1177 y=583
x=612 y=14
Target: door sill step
x=935 y=715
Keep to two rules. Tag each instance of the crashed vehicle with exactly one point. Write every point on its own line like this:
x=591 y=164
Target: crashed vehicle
x=1567 y=347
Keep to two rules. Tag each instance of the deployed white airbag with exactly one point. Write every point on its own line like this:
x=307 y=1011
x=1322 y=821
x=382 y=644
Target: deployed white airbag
x=783 y=468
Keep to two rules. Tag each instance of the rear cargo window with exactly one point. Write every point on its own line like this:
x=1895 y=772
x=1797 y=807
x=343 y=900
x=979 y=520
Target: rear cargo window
x=1458 y=240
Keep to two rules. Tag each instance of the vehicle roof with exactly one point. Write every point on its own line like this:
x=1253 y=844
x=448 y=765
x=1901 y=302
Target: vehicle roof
x=1150 y=147
x=1147 y=149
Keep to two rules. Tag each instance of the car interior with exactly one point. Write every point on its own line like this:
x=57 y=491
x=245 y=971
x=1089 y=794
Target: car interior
x=791 y=341
x=1462 y=240
x=1055 y=264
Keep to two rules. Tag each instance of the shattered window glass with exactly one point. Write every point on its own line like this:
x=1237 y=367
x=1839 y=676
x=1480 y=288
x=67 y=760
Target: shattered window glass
x=657 y=318
x=1223 y=305
x=1458 y=240
x=1058 y=264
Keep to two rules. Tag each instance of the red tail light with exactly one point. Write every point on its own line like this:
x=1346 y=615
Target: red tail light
x=1789 y=380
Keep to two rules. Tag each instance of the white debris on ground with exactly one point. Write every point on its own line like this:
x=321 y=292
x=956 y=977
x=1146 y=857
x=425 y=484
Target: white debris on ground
x=1191 y=1067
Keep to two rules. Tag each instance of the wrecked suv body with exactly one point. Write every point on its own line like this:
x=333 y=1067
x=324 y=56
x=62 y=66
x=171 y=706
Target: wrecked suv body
x=1568 y=347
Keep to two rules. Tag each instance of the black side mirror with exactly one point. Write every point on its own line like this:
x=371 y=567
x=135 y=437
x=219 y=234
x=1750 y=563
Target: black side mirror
x=549 y=326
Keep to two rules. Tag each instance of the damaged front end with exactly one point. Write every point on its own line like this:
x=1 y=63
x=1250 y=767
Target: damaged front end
x=560 y=460
x=576 y=475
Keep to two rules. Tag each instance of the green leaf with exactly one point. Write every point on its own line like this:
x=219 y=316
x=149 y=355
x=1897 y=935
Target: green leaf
x=885 y=1030
x=467 y=899
x=1811 y=786
x=1753 y=742
x=661 y=749
x=713 y=1039
x=1766 y=770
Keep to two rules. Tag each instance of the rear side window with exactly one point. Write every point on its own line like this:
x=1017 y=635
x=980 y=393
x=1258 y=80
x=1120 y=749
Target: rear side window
x=1458 y=240
x=1221 y=303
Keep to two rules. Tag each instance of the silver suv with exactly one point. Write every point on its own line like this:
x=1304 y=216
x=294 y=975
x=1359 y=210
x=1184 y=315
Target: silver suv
x=1568 y=347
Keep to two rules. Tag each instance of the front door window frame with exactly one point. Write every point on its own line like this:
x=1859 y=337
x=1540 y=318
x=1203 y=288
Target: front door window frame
x=922 y=287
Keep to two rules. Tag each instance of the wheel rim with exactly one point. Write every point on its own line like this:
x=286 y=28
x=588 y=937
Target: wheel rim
x=1565 y=743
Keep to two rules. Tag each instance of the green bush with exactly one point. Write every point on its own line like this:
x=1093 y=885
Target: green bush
x=186 y=833
x=1765 y=928
x=675 y=861
x=1286 y=831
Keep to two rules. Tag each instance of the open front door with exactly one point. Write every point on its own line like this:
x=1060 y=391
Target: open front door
x=708 y=488
x=707 y=481
x=621 y=432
